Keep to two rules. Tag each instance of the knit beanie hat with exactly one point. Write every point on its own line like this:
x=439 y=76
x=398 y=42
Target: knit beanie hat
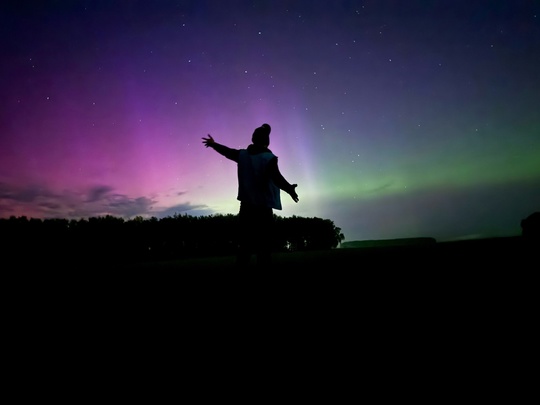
x=261 y=135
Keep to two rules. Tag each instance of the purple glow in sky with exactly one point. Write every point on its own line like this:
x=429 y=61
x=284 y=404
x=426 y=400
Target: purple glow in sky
x=395 y=118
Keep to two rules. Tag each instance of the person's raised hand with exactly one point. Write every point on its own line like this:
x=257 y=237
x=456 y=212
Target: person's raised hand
x=208 y=141
x=293 y=194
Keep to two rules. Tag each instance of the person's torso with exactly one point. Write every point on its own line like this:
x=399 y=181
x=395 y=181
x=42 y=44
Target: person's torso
x=255 y=183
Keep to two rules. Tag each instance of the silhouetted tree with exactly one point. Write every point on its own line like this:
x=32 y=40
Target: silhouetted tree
x=530 y=229
x=110 y=238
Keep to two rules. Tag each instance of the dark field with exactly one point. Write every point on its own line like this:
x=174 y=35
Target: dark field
x=448 y=303
x=505 y=265
x=438 y=315
x=468 y=268
x=457 y=256
x=469 y=256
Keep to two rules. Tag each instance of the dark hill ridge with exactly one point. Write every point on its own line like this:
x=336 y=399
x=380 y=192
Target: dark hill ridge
x=389 y=242
x=363 y=257
x=370 y=256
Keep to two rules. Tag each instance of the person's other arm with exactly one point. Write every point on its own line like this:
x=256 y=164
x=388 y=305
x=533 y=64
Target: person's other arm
x=280 y=181
x=229 y=153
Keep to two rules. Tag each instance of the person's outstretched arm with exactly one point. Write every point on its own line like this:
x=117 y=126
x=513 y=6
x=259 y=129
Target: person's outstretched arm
x=280 y=181
x=229 y=153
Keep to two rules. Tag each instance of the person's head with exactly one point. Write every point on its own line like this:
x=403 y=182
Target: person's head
x=261 y=135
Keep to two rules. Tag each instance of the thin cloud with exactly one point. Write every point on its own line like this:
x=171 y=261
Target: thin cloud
x=41 y=202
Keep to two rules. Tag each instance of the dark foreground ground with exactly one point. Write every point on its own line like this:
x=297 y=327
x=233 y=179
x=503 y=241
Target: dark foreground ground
x=456 y=311
x=500 y=262
x=512 y=254
x=488 y=266
x=482 y=254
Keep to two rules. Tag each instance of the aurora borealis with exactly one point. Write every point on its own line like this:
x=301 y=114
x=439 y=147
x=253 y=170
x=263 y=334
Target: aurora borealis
x=395 y=118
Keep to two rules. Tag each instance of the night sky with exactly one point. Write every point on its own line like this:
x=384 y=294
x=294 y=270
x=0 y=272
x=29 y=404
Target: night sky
x=395 y=118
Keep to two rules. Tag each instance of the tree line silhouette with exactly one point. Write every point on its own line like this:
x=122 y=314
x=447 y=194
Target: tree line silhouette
x=180 y=236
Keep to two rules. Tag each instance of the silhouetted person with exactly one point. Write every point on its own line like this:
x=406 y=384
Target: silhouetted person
x=259 y=185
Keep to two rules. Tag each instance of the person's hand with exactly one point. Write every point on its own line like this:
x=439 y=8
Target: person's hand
x=293 y=194
x=208 y=141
